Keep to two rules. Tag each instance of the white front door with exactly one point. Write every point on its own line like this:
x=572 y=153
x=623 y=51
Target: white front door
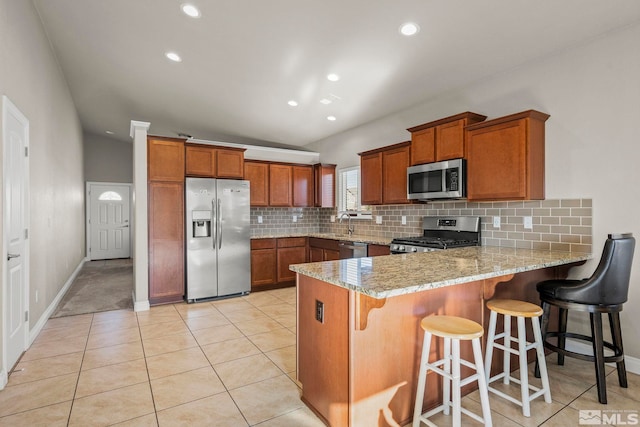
x=109 y=227
x=15 y=248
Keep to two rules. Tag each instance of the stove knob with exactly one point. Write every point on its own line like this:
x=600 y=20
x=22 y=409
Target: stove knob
x=394 y=247
x=401 y=248
x=414 y=249
x=426 y=250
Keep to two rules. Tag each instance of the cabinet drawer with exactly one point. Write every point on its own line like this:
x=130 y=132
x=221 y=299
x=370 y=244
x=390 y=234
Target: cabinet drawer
x=263 y=243
x=289 y=242
x=330 y=244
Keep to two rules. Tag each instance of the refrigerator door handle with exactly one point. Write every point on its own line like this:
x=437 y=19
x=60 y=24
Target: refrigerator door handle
x=215 y=223
x=219 y=221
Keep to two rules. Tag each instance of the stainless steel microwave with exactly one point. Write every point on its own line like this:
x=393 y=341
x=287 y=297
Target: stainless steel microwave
x=439 y=180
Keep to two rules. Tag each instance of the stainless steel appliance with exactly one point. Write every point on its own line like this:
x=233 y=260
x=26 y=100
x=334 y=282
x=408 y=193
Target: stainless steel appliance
x=439 y=180
x=217 y=238
x=440 y=233
x=352 y=249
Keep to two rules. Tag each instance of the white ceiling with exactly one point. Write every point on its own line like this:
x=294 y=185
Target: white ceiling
x=244 y=59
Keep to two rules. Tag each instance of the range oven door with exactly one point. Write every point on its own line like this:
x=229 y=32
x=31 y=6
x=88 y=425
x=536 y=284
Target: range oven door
x=439 y=180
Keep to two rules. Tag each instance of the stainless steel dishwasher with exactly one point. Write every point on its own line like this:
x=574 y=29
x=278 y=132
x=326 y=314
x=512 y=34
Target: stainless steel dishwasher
x=352 y=249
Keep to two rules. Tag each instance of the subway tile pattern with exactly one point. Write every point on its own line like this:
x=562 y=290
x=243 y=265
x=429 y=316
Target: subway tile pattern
x=558 y=224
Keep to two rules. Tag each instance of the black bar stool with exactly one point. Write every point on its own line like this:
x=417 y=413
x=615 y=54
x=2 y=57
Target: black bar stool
x=604 y=292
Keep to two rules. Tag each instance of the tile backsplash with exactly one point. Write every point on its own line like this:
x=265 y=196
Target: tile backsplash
x=560 y=224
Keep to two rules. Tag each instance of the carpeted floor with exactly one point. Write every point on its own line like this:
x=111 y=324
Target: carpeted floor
x=100 y=286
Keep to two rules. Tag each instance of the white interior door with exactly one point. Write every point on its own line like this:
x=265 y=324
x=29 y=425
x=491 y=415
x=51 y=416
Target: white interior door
x=109 y=227
x=15 y=246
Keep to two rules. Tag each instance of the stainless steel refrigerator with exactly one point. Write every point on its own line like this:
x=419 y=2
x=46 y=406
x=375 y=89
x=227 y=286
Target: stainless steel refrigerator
x=217 y=234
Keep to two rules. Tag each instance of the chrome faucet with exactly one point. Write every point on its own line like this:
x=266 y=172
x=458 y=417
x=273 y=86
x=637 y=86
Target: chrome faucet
x=349 y=226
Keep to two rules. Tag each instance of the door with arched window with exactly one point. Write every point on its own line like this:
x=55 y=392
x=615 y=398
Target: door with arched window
x=108 y=225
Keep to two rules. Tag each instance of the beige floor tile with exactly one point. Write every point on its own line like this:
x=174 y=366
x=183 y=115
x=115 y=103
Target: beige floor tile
x=143 y=421
x=107 y=339
x=233 y=304
x=215 y=411
x=60 y=322
x=113 y=315
x=302 y=417
x=284 y=358
x=157 y=330
x=176 y=362
x=191 y=311
x=564 y=388
x=113 y=325
x=245 y=315
x=253 y=327
x=169 y=343
x=615 y=401
x=248 y=370
x=497 y=419
x=272 y=340
x=46 y=368
x=229 y=350
x=51 y=416
x=566 y=417
x=113 y=406
x=633 y=383
x=104 y=356
x=261 y=298
x=286 y=320
x=579 y=369
x=54 y=334
x=278 y=309
x=216 y=334
x=267 y=399
x=186 y=387
x=210 y=320
x=111 y=377
x=36 y=394
x=152 y=316
x=55 y=348
x=284 y=293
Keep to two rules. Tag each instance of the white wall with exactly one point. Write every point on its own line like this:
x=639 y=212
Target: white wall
x=592 y=93
x=31 y=78
x=107 y=159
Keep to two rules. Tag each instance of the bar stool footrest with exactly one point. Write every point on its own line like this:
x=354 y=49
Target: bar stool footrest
x=618 y=356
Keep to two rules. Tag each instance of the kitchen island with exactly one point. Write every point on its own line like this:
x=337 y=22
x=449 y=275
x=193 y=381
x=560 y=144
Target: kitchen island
x=359 y=336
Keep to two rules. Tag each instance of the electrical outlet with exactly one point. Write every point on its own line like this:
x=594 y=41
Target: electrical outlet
x=294 y=218
x=404 y=220
x=378 y=219
x=528 y=222
x=259 y=219
x=333 y=218
x=320 y=311
x=496 y=222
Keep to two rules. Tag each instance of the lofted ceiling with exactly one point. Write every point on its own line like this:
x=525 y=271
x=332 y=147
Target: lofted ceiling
x=243 y=60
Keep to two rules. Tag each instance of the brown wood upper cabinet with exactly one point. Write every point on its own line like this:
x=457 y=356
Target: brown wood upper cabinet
x=325 y=184
x=165 y=159
x=214 y=162
x=302 y=185
x=505 y=158
x=384 y=174
x=442 y=139
x=280 y=184
x=257 y=173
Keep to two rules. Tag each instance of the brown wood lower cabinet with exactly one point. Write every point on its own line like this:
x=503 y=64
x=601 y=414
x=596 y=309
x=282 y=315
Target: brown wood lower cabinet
x=270 y=260
x=323 y=249
x=291 y=250
x=263 y=263
x=378 y=250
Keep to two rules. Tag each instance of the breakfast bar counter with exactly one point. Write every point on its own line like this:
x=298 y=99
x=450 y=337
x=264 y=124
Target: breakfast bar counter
x=359 y=336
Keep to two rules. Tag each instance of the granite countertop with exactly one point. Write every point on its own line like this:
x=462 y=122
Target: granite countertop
x=374 y=240
x=387 y=276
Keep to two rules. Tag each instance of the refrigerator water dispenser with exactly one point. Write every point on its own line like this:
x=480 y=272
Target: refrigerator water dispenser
x=201 y=223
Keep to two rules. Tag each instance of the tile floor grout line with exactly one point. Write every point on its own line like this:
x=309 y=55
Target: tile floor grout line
x=75 y=390
x=146 y=366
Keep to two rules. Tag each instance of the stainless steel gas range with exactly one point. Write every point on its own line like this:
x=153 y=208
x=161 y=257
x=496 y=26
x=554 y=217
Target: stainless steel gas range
x=439 y=233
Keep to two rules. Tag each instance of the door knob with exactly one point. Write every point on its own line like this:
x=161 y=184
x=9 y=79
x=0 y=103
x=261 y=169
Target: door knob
x=9 y=256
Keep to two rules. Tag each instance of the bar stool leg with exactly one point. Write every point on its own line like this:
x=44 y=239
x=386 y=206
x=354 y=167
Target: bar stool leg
x=544 y=325
x=524 y=374
x=616 y=335
x=482 y=380
x=456 y=383
x=598 y=351
x=422 y=379
x=446 y=382
x=562 y=329
x=490 y=338
x=507 y=343
x=541 y=362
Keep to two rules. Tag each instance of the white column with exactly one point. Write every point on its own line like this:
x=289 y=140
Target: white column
x=138 y=133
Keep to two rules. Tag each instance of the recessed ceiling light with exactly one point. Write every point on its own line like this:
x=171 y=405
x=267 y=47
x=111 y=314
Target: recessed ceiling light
x=190 y=10
x=293 y=103
x=331 y=118
x=409 y=29
x=325 y=101
x=333 y=77
x=173 y=56
x=109 y=132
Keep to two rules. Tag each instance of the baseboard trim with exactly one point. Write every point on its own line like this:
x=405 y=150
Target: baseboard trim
x=4 y=379
x=139 y=305
x=631 y=363
x=33 y=333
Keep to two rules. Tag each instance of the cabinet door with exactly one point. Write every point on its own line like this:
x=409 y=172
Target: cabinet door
x=258 y=176
x=302 y=185
x=263 y=267
x=280 y=185
x=325 y=184
x=496 y=162
x=286 y=257
x=378 y=250
x=423 y=146
x=331 y=255
x=371 y=178
x=165 y=159
x=229 y=163
x=166 y=242
x=200 y=161
x=316 y=255
x=394 y=171
x=450 y=140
